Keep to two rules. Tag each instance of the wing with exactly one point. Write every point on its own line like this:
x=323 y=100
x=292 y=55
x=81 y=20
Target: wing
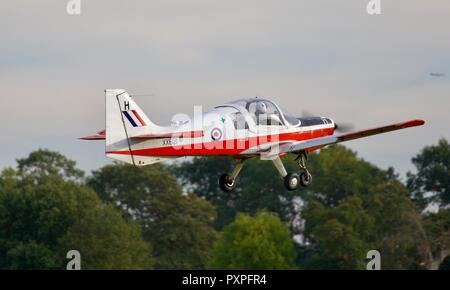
x=322 y=141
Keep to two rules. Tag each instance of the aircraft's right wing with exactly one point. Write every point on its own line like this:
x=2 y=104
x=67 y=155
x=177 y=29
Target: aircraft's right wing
x=327 y=140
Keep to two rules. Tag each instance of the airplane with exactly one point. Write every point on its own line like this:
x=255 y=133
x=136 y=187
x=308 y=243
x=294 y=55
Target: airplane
x=434 y=74
x=242 y=129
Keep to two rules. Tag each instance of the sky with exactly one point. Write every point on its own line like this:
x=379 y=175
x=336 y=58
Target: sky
x=329 y=57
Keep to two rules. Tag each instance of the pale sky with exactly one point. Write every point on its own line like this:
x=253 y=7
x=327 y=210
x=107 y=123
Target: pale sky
x=327 y=57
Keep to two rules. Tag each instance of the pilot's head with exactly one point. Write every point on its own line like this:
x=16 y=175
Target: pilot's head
x=261 y=108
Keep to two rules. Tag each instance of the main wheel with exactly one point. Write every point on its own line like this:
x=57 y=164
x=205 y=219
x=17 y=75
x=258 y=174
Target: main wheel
x=226 y=183
x=305 y=179
x=292 y=181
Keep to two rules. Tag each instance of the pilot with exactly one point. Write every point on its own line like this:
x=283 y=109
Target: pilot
x=261 y=108
x=264 y=117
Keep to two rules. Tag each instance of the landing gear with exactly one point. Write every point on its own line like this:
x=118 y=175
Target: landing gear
x=293 y=180
x=305 y=179
x=227 y=182
x=305 y=176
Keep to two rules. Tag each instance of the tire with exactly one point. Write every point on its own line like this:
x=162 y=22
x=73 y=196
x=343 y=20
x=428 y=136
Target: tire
x=226 y=184
x=292 y=181
x=305 y=179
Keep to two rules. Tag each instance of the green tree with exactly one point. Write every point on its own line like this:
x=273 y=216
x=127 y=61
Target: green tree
x=43 y=163
x=258 y=186
x=384 y=219
x=437 y=248
x=398 y=226
x=340 y=236
x=431 y=183
x=337 y=171
x=45 y=211
x=179 y=226
x=260 y=242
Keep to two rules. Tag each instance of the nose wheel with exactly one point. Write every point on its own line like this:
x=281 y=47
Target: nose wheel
x=305 y=176
x=227 y=182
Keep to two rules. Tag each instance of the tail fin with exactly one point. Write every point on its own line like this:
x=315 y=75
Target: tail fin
x=125 y=119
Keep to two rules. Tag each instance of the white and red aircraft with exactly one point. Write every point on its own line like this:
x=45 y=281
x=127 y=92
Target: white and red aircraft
x=241 y=129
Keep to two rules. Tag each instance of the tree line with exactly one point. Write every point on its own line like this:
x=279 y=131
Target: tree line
x=174 y=216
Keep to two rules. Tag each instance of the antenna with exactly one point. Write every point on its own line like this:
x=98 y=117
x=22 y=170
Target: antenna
x=142 y=95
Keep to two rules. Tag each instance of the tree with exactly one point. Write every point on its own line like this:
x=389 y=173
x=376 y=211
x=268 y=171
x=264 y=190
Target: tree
x=340 y=236
x=384 y=219
x=437 y=248
x=398 y=226
x=106 y=241
x=178 y=225
x=260 y=242
x=431 y=183
x=259 y=186
x=337 y=171
x=445 y=265
x=44 y=163
x=44 y=213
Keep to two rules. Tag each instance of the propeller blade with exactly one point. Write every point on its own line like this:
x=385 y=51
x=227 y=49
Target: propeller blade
x=307 y=114
x=344 y=127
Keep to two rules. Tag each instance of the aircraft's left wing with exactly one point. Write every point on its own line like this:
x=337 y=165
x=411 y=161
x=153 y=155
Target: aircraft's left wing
x=327 y=140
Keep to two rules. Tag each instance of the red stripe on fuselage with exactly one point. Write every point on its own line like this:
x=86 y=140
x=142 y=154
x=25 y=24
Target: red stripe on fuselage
x=226 y=147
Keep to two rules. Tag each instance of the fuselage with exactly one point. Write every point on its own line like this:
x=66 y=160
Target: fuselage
x=235 y=129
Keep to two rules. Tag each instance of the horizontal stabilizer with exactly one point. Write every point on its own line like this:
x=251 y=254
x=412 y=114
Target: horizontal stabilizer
x=101 y=135
x=187 y=134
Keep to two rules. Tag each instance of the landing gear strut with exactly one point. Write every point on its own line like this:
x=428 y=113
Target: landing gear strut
x=227 y=181
x=305 y=176
x=293 y=180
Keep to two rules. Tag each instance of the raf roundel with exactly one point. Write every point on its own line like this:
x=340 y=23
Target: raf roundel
x=216 y=134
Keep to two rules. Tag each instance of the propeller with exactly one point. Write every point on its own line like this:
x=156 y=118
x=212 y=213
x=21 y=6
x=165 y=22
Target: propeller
x=344 y=127
x=307 y=114
x=341 y=127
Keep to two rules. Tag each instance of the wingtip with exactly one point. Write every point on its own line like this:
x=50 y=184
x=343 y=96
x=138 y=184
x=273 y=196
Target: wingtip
x=419 y=122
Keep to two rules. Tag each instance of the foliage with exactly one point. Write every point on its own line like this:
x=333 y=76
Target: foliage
x=431 y=183
x=260 y=242
x=123 y=217
x=179 y=226
x=341 y=235
x=43 y=213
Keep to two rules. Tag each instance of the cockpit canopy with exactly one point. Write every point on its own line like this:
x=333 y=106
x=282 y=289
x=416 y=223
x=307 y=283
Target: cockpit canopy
x=266 y=112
